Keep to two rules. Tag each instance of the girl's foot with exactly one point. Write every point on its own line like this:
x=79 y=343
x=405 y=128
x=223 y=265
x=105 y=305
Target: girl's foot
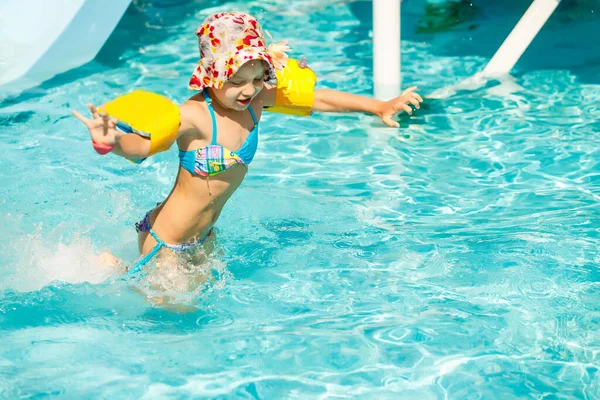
x=107 y=260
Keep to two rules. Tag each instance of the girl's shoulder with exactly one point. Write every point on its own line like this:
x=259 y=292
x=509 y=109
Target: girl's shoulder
x=265 y=99
x=194 y=115
x=195 y=106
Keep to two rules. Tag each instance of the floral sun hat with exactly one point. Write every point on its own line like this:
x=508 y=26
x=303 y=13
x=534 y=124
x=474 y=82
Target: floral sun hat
x=227 y=40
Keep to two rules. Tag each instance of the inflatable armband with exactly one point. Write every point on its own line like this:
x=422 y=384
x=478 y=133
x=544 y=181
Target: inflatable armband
x=147 y=114
x=295 y=89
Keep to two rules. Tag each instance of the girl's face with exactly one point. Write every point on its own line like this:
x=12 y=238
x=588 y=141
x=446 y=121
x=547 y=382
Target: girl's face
x=237 y=93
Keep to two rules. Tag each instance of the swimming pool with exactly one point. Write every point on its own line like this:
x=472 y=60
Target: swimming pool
x=457 y=257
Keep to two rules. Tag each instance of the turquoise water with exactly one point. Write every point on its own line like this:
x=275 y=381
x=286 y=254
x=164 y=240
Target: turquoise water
x=455 y=258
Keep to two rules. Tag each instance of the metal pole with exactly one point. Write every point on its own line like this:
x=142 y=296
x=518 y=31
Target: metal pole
x=386 y=48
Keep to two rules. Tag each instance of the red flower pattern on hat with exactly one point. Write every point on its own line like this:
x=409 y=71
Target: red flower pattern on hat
x=227 y=40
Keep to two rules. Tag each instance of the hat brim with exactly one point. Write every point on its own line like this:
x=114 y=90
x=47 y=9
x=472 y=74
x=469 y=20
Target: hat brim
x=215 y=72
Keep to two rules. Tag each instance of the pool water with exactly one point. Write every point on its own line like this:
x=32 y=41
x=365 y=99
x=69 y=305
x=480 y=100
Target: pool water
x=456 y=257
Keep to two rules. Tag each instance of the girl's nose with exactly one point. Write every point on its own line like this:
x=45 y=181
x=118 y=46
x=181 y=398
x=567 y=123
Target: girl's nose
x=249 y=90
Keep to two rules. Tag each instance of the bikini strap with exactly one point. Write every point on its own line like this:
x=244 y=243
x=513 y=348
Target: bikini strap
x=253 y=116
x=212 y=115
x=140 y=264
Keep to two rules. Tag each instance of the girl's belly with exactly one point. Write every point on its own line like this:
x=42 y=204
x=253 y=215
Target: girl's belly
x=194 y=205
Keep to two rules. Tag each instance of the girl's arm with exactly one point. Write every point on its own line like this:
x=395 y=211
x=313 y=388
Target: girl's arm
x=327 y=100
x=107 y=138
x=132 y=146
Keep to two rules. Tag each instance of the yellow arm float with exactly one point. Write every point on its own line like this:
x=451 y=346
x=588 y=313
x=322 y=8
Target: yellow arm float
x=295 y=90
x=147 y=114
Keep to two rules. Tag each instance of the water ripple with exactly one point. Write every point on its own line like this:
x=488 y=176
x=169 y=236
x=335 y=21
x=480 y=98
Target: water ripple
x=455 y=257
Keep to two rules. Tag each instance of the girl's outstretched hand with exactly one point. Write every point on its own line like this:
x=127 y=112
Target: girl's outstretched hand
x=401 y=103
x=103 y=129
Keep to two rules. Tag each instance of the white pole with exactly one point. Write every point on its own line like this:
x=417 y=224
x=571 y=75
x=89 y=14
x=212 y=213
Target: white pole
x=386 y=48
x=521 y=37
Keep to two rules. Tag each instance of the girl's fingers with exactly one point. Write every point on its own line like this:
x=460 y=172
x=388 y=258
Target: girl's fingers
x=417 y=96
x=402 y=106
x=81 y=118
x=411 y=92
x=93 y=110
x=390 y=122
x=410 y=89
x=414 y=102
x=105 y=121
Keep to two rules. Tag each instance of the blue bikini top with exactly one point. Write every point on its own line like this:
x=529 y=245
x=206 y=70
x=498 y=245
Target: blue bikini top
x=214 y=158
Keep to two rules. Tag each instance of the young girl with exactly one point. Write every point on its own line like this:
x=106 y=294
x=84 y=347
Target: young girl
x=218 y=132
